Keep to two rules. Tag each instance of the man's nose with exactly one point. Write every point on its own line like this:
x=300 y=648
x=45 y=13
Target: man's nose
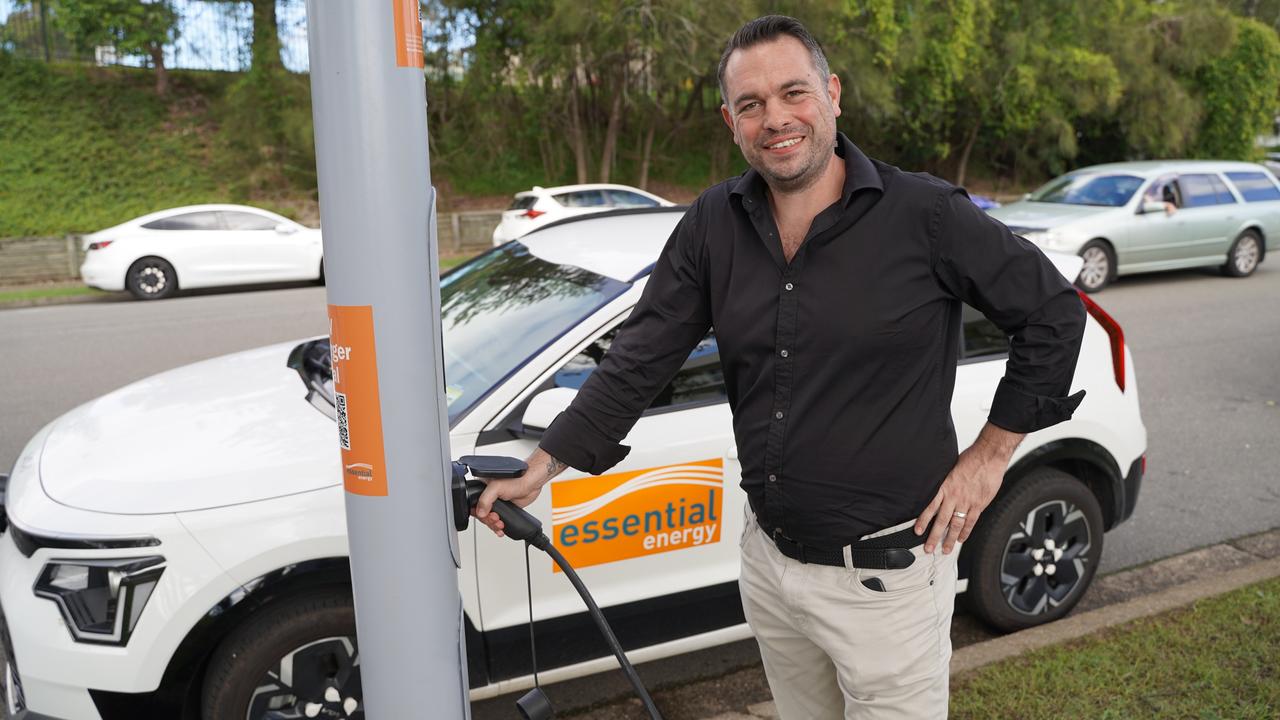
x=776 y=117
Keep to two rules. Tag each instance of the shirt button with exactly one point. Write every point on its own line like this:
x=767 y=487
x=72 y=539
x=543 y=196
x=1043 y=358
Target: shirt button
x=784 y=353
x=789 y=287
x=773 y=478
x=778 y=414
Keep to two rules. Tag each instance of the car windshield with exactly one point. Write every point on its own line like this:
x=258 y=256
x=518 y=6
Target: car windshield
x=1100 y=190
x=497 y=312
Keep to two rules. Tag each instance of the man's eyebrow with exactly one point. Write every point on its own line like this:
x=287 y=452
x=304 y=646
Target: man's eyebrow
x=798 y=82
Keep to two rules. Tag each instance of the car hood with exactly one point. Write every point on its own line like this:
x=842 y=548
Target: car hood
x=1036 y=215
x=230 y=430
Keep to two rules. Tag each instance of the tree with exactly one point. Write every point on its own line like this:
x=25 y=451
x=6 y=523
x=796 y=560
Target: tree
x=1240 y=93
x=131 y=26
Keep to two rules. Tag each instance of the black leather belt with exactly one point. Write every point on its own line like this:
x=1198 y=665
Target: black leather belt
x=886 y=552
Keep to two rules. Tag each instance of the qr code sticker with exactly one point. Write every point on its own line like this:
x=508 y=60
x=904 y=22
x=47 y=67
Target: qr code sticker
x=344 y=433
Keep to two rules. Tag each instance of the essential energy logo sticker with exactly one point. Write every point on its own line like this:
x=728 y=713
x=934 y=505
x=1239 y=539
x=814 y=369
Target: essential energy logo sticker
x=604 y=519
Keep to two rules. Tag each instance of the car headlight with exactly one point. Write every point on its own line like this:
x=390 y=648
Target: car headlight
x=101 y=600
x=1046 y=238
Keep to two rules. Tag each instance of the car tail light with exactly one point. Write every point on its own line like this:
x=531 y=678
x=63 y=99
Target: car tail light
x=531 y=213
x=100 y=245
x=1113 y=331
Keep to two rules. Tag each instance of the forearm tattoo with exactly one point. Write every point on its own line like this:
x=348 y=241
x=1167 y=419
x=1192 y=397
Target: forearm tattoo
x=554 y=467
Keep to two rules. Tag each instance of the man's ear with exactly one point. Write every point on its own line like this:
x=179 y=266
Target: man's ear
x=833 y=91
x=728 y=120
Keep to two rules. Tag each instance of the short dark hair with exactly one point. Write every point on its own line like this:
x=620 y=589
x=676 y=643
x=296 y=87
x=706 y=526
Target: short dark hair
x=764 y=29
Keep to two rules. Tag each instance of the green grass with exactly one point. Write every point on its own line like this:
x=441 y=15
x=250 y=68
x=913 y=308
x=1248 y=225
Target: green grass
x=84 y=148
x=1217 y=659
x=38 y=292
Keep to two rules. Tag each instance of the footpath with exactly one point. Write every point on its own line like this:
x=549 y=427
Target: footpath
x=1115 y=599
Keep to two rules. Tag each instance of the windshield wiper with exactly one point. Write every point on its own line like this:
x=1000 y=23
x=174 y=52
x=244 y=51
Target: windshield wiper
x=312 y=362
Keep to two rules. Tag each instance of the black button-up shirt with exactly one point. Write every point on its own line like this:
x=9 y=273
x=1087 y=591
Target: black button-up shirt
x=839 y=365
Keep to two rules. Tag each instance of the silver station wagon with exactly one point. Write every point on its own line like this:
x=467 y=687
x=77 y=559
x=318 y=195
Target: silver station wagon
x=1124 y=218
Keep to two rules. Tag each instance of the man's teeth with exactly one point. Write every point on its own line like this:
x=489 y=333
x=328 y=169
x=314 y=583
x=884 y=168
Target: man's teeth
x=785 y=144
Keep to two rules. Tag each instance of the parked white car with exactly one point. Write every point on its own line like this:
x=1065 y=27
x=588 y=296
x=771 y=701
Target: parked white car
x=200 y=246
x=182 y=539
x=541 y=206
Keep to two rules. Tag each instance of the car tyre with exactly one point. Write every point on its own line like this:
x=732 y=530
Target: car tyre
x=1050 y=512
x=296 y=658
x=1244 y=255
x=1099 y=267
x=151 y=279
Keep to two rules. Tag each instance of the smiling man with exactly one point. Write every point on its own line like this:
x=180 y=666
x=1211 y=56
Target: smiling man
x=835 y=285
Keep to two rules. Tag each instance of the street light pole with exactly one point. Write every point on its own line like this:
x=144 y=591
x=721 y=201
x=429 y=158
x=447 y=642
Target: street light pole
x=377 y=211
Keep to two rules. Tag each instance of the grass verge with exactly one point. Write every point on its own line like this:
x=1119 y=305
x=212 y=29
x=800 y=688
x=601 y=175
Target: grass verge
x=40 y=292
x=1219 y=658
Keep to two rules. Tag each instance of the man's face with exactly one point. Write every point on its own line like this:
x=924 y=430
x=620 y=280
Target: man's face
x=782 y=112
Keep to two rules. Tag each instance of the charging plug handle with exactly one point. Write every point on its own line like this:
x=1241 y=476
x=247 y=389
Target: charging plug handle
x=519 y=525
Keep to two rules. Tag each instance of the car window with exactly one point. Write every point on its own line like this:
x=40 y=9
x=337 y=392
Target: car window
x=581 y=198
x=523 y=202
x=1200 y=190
x=700 y=380
x=1100 y=190
x=981 y=336
x=1163 y=189
x=625 y=198
x=207 y=220
x=248 y=221
x=1254 y=186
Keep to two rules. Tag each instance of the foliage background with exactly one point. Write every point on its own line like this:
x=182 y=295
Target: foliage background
x=1001 y=94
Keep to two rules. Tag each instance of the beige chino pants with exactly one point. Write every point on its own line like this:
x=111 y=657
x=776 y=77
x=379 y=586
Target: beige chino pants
x=834 y=648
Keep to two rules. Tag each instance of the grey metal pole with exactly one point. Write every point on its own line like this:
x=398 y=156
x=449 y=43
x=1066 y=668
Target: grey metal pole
x=377 y=212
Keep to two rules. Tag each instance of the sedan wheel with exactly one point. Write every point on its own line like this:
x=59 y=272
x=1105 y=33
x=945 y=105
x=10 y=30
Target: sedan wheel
x=1098 y=267
x=1036 y=551
x=297 y=659
x=1244 y=256
x=151 y=279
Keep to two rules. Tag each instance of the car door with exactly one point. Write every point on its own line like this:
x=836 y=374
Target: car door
x=1209 y=212
x=183 y=240
x=658 y=530
x=252 y=249
x=1149 y=237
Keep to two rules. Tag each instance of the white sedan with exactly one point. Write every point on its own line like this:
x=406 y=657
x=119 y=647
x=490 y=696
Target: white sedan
x=541 y=206
x=200 y=246
x=183 y=539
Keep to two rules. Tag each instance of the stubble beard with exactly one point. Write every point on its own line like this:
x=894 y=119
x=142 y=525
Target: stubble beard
x=815 y=163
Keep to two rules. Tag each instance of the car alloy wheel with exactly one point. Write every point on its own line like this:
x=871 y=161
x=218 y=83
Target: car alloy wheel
x=1044 y=558
x=1096 y=271
x=1034 y=551
x=318 y=680
x=1245 y=253
x=151 y=279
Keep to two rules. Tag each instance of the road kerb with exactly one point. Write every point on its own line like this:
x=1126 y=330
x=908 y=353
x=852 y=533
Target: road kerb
x=990 y=651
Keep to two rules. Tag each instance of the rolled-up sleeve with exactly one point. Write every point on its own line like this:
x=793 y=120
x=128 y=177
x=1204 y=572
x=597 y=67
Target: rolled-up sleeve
x=981 y=262
x=673 y=315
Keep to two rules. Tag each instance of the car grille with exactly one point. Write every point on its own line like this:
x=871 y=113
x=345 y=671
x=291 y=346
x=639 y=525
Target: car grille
x=10 y=683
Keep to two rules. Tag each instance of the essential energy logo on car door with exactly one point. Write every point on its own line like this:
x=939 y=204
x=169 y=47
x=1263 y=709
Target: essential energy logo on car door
x=603 y=519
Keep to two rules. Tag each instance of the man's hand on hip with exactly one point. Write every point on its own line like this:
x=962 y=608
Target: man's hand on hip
x=968 y=489
x=521 y=491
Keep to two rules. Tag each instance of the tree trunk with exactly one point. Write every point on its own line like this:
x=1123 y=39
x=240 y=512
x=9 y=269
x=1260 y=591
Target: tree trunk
x=611 y=135
x=266 y=37
x=963 y=167
x=162 y=75
x=576 y=134
x=645 y=154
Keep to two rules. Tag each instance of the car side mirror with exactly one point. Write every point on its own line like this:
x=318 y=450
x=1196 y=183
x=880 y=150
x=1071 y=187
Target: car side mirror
x=1152 y=206
x=286 y=229
x=545 y=406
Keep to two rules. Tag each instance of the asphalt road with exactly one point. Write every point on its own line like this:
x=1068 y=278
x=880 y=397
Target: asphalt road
x=1205 y=350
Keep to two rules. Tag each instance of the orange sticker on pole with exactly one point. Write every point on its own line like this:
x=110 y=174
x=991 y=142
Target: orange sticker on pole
x=408 y=29
x=355 y=398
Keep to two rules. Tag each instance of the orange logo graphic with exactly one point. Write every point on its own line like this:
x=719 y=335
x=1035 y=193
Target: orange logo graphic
x=604 y=519
x=355 y=398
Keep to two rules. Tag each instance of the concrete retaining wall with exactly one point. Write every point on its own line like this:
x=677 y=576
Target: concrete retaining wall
x=38 y=259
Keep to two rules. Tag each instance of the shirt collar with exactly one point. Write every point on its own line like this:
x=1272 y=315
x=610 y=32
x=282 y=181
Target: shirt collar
x=859 y=174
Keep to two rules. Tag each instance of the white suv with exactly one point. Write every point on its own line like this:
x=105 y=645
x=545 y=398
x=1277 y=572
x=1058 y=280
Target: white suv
x=541 y=206
x=178 y=547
